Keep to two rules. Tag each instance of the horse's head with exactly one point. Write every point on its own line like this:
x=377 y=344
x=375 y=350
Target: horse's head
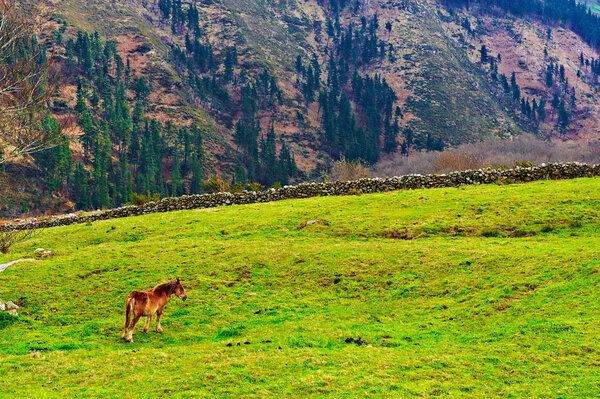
x=179 y=291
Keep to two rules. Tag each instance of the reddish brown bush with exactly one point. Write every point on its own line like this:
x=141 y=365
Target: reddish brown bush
x=493 y=152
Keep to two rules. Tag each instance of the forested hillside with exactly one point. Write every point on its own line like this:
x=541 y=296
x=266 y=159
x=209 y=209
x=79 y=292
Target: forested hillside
x=155 y=98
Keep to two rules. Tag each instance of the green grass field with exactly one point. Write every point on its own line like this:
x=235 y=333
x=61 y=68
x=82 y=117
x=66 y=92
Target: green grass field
x=487 y=291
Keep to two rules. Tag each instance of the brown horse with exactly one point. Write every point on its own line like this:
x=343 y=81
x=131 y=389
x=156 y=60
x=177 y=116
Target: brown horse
x=146 y=303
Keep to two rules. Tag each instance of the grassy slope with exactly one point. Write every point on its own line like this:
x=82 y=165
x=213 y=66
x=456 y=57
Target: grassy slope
x=464 y=314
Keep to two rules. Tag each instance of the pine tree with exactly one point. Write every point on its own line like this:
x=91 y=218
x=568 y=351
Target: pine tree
x=176 y=187
x=555 y=101
x=89 y=138
x=100 y=196
x=390 y=135
x=228 y=67
x=542 y=110
x=81 y=105
x=515 y=87
x=483 y=54
x=81 y=188
x=142 y=90
x=268 y=157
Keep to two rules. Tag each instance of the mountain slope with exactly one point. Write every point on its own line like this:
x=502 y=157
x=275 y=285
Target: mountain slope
x=528 y=48
x=439 y=91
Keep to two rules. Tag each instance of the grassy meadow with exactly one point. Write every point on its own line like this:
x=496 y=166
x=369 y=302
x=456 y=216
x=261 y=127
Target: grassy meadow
x=481 y=291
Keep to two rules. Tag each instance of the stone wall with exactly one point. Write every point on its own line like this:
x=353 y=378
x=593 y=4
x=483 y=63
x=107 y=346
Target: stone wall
x=306 y=190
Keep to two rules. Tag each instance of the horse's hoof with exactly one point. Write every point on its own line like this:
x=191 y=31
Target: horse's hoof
x=159 y=331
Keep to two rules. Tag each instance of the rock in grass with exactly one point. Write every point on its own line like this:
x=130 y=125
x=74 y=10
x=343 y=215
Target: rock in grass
x=43 y=253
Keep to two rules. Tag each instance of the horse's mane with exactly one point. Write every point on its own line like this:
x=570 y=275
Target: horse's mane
x=169 y=286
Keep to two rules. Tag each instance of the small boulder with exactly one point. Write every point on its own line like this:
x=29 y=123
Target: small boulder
x=12 y=312
x=2 y=306
x=43 y=253
x=11 y=306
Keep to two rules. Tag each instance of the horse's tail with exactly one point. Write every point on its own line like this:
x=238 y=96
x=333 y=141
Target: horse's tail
x=129 y=309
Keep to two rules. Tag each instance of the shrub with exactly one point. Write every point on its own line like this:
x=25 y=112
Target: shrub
x=9 y=238
x=255 y=186
x=348 y=171
x=237 y=187
x=452 y=161
x=141 y=199
x=491 y=152
x=216 y=185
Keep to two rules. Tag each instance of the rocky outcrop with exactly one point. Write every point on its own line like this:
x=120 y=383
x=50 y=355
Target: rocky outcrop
x=554 y=171
x=9 y=307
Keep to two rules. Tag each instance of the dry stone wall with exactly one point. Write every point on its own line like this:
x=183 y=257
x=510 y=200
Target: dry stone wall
x=552 y=171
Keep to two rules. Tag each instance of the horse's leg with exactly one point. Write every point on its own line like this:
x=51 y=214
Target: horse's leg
x=124 y=336
x=128 y=313
x=158 y=317
x=133 y=323
x=148 y=318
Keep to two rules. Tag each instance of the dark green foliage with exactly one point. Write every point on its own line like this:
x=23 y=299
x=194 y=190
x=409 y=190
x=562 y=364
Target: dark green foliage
x=80 y=188
x=549 y=78
x=142 y=90
x=483 y=54
x=125 y=152
x=55 y=163
x=176 y=187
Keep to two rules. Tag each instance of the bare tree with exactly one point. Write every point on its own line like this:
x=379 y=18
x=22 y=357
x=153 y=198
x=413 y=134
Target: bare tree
x=10 y=237
x=26 y=84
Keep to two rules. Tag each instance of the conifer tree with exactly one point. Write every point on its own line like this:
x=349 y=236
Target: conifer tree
x=81 y=188
x=176 y=187
x=483 y=54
